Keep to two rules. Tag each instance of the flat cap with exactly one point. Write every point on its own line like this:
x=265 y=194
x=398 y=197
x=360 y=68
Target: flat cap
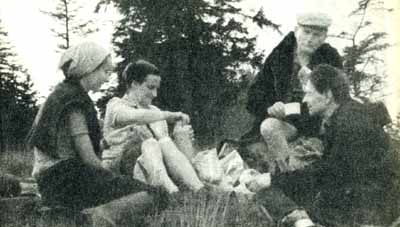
x=314 y=19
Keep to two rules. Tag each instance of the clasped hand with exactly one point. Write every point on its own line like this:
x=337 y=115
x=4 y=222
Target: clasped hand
x=182 y=130
x=160 y=128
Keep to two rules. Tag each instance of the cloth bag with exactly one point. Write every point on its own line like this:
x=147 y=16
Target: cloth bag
x=208 y=167
x=239 y=178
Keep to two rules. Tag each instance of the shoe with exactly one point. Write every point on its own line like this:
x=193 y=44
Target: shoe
x=297 y=218
x=304 y=223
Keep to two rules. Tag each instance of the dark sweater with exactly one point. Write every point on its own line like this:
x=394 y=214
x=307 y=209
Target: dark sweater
x=353 y=171
x=67 y=96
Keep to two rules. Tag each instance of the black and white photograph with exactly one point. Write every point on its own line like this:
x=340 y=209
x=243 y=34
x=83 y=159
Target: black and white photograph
x=199 y=113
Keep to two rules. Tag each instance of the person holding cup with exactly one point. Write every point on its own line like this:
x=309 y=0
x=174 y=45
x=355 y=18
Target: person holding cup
x=275 y=98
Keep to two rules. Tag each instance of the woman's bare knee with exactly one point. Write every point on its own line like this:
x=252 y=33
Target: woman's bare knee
x=151 y=146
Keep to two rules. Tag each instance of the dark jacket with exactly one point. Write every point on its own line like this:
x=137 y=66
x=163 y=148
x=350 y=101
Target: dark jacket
x=67 y=96
x=353 y=172
x=272 y=83
x=355 y=147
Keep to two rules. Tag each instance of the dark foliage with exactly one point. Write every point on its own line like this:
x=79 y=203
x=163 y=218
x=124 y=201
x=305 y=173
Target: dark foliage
x=198 y=46
x=363 y=56
x=17 y=98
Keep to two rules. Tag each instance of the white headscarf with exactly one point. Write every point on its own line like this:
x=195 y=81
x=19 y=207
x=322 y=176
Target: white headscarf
x=82 y=59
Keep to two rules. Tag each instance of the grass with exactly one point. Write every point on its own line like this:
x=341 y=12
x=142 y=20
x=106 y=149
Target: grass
x=193 y=210
x=216 y=210
x=17 y=161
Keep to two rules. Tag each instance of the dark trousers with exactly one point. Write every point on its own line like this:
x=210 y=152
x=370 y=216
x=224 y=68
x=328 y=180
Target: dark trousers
x=9 y=185
x=275 y=202
x=352 y=205
x=72 y=184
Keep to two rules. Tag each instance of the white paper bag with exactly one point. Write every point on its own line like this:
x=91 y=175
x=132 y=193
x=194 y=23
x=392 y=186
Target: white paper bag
x=208 y=166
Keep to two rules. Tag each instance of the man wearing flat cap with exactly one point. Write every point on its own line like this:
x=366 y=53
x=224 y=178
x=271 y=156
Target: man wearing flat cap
x=280 y=82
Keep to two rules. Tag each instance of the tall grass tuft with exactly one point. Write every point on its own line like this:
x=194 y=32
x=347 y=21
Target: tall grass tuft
x=210 y=210
x=16 y=161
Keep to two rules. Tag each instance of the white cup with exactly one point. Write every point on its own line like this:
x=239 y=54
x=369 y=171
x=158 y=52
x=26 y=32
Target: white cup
x=292 y=108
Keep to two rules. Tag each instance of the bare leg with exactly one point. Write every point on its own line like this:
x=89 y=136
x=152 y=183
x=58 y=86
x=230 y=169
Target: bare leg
x=179 y=166
x=276 y=134
x=183 y=140
x=152 y=161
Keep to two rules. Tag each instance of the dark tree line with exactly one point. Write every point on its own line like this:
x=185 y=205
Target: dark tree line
x=17 y=98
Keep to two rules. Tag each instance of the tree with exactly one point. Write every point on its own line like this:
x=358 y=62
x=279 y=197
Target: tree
x=69 y=25
x=198 y=46
x=17 y=98
x=363 y=58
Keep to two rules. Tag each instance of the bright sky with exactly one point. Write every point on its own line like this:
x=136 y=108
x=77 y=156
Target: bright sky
x=29 y=31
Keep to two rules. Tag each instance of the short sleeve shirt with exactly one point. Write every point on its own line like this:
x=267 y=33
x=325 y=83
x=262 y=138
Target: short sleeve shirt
x=121 y=138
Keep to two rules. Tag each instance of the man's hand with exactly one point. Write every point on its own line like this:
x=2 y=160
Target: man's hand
x=277 y=110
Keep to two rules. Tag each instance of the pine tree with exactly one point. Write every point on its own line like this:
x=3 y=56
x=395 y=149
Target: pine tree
x=17 y=98
x=198 y=46
x=69 y=28
x=363 y=57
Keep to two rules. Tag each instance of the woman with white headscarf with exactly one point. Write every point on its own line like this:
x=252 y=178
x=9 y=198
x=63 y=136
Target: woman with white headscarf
x=65 y=138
